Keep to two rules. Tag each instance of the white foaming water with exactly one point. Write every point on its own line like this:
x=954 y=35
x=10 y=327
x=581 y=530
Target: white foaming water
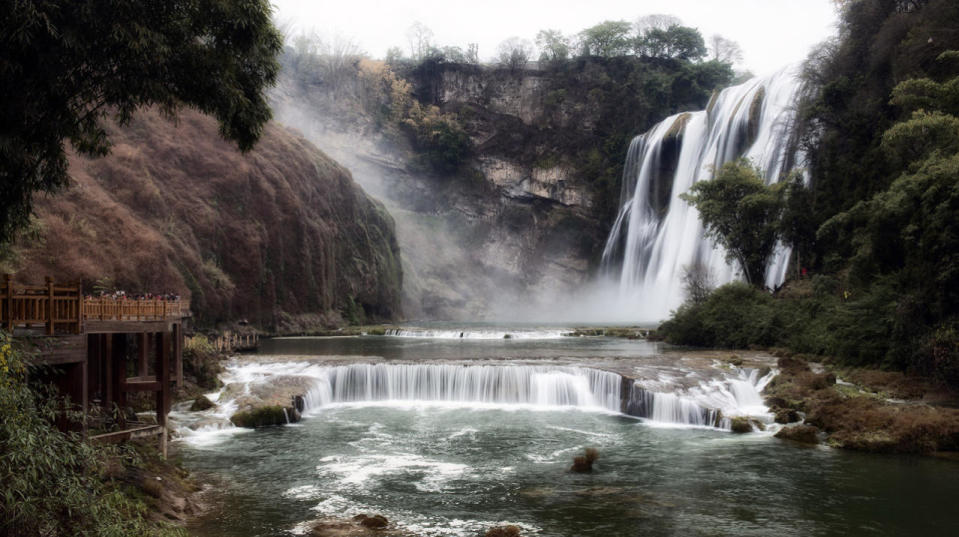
x=657 y=234
x=711 y=403
x=553 y=386
x=474 y=334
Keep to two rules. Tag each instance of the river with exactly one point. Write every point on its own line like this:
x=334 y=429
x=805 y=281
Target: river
x=449 y=435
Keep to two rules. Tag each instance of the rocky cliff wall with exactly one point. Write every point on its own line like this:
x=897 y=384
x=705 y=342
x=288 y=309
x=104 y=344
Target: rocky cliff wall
x=525 y=215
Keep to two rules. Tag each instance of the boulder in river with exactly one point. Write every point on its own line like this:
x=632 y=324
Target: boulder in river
x=374 y=522
x=201 y=403
x=263 y=416
x=584 y=463
x=804 y=434
x=503 y=531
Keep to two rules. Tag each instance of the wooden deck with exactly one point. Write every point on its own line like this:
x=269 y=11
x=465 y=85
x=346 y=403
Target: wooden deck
x=91 y=345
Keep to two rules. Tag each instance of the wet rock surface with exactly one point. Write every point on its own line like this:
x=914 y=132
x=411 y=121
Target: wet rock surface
x=362 y=525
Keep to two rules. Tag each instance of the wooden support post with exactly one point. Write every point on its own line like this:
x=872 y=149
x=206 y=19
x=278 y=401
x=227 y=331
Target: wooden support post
x=9 y=282
x=79 y=312
x=119 y=373
x=85 y=402
x=93 y=360
x=163 y=376
x=106 y=349
x=50 y=309
x=178 y=353
x=142 y=351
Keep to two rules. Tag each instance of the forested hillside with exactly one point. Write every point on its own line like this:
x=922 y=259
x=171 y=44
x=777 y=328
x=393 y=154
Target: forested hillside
x=881 y=238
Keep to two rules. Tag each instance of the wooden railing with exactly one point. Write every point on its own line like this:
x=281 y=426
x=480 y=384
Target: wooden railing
x=50 y=305
x=133 y=309
x=63 y=308
x=230 y=342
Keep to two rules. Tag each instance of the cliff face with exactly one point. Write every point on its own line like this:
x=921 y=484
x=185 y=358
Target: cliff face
x=281 y=236
x=526 y=213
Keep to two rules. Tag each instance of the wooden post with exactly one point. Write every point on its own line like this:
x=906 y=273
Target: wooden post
x=107 y=352
x=163 y=396
x=50 y=312
x=85 y=403
x=79 y=308
x=143 y=368
x=7 y=280
x=119 y=372
x=178 y=353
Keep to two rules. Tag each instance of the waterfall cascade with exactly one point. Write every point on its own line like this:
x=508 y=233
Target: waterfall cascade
x=708 y=404
x=656 y=234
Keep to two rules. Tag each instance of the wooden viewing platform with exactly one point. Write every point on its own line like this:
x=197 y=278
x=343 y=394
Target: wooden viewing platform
x=97 y=350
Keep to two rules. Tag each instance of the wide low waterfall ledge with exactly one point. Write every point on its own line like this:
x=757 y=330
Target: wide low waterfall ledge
x=656 y=234
x=709 y=403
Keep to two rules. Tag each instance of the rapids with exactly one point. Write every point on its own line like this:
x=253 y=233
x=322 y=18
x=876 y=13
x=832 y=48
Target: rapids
x=450 y=437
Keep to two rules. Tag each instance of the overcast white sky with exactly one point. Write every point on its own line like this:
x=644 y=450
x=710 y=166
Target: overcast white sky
x=772 y=33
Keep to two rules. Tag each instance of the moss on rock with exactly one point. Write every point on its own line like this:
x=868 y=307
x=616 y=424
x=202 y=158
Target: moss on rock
x=804 y=434
x=741 y=424
x=261 y=417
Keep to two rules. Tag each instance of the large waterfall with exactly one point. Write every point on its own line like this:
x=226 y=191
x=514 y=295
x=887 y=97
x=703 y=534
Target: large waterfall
x=656 y=234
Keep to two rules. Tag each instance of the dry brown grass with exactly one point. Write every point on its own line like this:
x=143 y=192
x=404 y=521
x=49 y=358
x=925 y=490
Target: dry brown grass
x=861 y=420
x=893 y=384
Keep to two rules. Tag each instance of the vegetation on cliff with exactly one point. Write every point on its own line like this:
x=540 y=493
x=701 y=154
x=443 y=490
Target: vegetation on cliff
x=280 y=236
x=883 y=139
x=582 y=113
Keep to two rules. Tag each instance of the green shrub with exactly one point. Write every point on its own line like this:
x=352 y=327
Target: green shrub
x=50 y=482
x=202 y=362
x=735 y=315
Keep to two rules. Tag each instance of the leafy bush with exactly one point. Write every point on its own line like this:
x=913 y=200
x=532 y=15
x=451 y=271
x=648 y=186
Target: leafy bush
x=201 y=361
x=50 y=482
x=735 y=315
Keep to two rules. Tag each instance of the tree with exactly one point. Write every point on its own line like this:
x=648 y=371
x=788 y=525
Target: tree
x=514 y=52
x=797 y=224
x=453 y=54
x=394 y=55
x=66 y=65
x=553 y=45
x=698 y=283
x=724 y=50
x=607 y=39
x=420 y=38
x=656 y=21
x=675 y=42
x=741 y=214
x=472 y=53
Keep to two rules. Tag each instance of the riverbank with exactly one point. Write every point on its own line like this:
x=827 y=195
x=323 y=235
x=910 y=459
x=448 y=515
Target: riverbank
x=863 y=409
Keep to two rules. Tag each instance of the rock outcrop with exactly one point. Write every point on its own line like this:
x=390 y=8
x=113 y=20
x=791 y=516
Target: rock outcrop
x=526 y=214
